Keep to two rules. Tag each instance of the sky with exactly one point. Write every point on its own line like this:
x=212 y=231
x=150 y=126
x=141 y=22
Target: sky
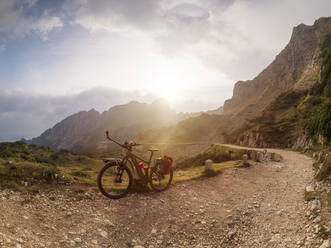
x=60 y=57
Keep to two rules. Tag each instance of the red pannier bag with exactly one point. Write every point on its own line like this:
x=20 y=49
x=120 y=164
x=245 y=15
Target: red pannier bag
x=167 y=165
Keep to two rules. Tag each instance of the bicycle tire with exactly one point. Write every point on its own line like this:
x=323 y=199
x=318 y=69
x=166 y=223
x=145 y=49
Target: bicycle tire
x=102 y=187
x=167 y=185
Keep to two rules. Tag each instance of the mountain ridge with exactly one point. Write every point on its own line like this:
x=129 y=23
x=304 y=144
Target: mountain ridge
x=83 y=132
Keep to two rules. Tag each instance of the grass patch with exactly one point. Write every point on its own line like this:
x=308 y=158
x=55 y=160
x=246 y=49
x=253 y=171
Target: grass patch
x=198 y=172
x=29 y=168
x=217 y=153
x=41 y=169
x=10 y=184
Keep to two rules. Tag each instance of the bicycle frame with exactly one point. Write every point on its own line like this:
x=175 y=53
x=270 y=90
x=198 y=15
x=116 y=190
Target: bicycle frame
x=133 y=157
x=142 y=173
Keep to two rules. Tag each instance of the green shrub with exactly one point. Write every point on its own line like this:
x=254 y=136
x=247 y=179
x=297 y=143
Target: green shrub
x=325 y=172
x=317 y=89
x=286 y=100
x=20 y=143
x=327 y=90
x=315 y=100
x=6 y=154
x=27 y=171
x=320 y=123
x=24 y=157
x=80 y=174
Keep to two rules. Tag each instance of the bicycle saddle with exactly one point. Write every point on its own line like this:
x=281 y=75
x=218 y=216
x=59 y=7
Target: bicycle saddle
x=153 y=150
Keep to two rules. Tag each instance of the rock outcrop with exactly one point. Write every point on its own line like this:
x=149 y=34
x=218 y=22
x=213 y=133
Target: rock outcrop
x=296 y=67
x=304 y=141
x=254 y=139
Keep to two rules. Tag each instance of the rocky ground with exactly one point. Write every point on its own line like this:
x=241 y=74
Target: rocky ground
x=259 y=206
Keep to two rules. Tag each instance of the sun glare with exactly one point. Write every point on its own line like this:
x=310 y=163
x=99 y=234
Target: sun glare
x=168 y=86
x=170 y=78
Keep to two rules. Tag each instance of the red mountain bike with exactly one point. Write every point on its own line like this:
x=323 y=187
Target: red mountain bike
x=116 y=177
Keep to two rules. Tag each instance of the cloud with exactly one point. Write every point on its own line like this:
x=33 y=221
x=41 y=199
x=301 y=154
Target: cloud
x=45 y=24
x=2 y=48
x=26 y=115
x=114 y=15
x=16 y=23
x=237 y=37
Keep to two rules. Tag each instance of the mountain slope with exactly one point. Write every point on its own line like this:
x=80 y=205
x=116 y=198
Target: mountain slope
x=296 y=67
x=85 y=131
x=293 y=72
x=297 y=118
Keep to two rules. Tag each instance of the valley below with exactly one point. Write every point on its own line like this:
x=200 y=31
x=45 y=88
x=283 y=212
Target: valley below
x=259 y=206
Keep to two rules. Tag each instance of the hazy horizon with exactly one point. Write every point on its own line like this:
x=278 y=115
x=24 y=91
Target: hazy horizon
x=61 y=57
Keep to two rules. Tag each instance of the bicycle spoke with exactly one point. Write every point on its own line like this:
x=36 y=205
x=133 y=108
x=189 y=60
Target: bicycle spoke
x=114 y=181
x=159 y=181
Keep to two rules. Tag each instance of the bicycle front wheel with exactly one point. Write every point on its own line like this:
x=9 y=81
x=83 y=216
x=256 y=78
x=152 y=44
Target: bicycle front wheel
x=114 y=181
x=158 y=181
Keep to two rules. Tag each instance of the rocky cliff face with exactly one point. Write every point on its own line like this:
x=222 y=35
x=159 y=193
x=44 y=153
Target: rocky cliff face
x=296 y=67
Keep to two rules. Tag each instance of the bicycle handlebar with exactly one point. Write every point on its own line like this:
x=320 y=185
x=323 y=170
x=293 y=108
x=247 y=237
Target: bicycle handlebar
x=126 y=145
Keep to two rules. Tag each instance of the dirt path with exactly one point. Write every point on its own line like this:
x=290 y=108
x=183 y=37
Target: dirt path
x=259 y=206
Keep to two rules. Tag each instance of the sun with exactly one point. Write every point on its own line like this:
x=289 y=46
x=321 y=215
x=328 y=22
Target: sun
x=168 y=87
x=174 y=79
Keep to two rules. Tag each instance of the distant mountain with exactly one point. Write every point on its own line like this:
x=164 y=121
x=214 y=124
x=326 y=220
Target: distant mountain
x=84 y=132
x=297 y=69
x=203 y=128
x=184 y=116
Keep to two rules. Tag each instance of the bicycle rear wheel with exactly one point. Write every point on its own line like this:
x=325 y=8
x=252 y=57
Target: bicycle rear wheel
x=114 y=181
x=158 y=181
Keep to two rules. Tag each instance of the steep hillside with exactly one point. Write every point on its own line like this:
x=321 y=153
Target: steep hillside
x=267 y=103
x=296 y=68
x=203 y=128
x=297 y=118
